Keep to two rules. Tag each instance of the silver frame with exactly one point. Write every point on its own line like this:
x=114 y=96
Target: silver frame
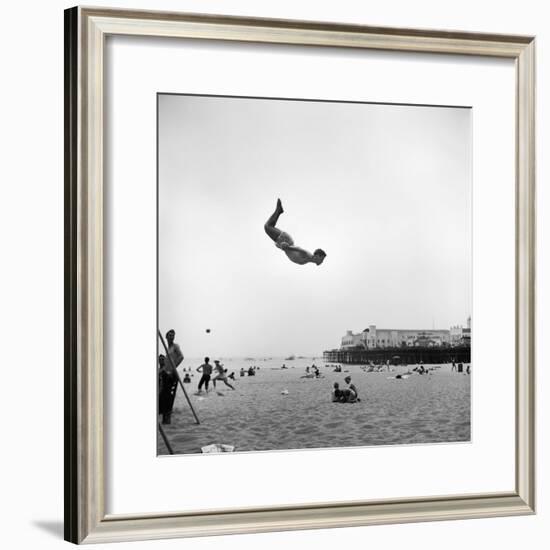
x=85 y=518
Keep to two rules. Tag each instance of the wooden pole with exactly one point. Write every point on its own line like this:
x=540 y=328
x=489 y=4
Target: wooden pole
x=165 y=439
x=179 y=379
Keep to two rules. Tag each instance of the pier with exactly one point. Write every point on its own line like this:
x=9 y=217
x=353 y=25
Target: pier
x=399 y=356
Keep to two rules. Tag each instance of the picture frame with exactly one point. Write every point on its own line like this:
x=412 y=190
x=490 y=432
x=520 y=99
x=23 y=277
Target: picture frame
x=85 y=482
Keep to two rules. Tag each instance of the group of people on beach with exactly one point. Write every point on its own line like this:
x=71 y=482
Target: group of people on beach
x=460 y=367
x=376 y=368
x=168 y=377
x=345 y=395
x=220 y=374
x=312 y=372
x=251 y=371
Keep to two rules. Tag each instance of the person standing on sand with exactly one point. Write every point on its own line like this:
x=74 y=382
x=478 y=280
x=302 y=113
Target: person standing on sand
x=206 y=369
x=174 y=351
x=285 y=242
x=220 y=375
x=167 y=387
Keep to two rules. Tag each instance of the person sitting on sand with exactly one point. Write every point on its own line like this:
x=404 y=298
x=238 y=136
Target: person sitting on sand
x=354 y=394
x=221 y=374
x=187 y=378
x=285 y=242
x=342 y=396
x=336 y=393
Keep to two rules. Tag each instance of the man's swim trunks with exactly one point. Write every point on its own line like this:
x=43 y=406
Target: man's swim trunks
x=284 y=238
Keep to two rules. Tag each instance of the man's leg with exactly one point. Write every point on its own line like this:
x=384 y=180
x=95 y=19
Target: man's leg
x=269 y=225
x=201 y=382
x=206 y=381
x=228 y=384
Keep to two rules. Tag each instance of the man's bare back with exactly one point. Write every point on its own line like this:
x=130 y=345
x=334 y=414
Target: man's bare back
x=285 y=242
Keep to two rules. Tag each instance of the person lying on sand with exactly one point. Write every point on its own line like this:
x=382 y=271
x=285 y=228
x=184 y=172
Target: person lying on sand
x=285 y=242
x=221 y=374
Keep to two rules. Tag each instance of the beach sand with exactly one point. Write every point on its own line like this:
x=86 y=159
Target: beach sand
x=431 y=408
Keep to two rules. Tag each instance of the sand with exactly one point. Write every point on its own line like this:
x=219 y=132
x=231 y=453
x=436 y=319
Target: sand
x=431 y=408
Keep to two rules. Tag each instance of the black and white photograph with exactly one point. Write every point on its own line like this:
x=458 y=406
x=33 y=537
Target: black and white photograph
x=314 y=274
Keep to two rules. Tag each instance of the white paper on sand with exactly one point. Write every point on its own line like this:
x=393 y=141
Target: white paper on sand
x=218 y=448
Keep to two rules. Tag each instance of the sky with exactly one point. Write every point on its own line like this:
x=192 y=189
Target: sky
x=385 y=190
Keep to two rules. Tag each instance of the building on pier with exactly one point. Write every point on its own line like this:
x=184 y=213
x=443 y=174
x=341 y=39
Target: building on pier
x=381 y=338
x=373 y=337
x=375 y=344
